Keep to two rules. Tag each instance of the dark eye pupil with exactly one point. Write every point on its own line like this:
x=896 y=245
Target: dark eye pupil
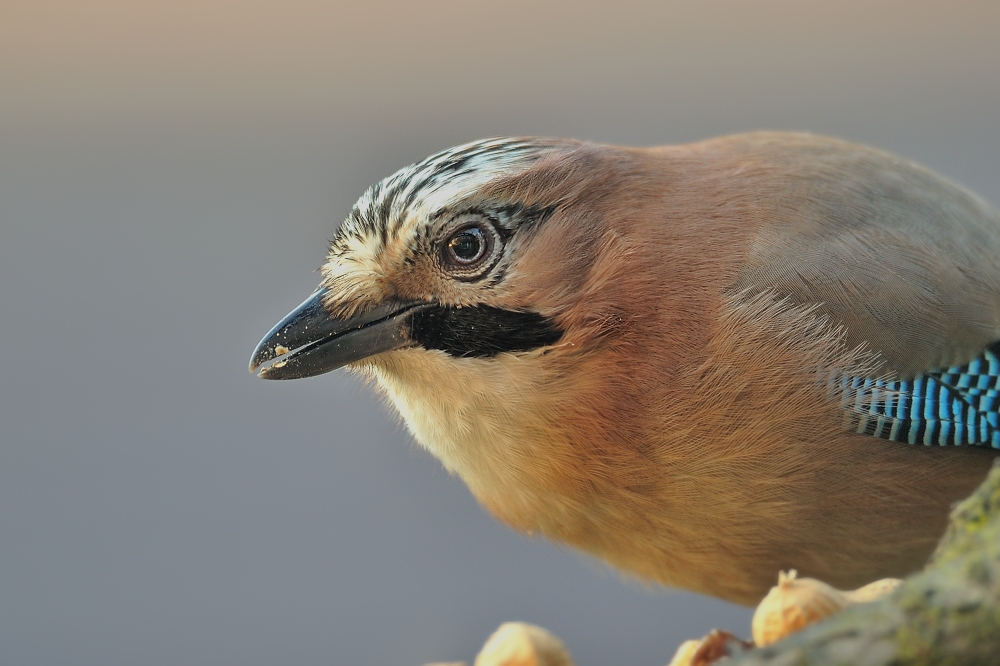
x=468 y=245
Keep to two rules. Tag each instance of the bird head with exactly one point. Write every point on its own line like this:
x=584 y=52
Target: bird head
x=452 y=256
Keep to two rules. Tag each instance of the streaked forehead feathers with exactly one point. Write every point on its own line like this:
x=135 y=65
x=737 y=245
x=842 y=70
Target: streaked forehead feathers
x=425 y=189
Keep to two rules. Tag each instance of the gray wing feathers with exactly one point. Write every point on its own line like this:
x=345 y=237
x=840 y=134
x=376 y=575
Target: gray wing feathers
x=908 y=262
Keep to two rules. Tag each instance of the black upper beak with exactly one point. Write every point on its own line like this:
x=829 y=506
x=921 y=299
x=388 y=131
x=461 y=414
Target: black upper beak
x=310 y=342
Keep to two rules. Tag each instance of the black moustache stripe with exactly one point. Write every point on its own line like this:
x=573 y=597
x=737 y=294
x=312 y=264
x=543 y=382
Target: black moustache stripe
x=481 y=331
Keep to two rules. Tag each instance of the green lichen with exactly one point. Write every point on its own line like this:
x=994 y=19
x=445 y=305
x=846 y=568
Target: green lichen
x=973 y=522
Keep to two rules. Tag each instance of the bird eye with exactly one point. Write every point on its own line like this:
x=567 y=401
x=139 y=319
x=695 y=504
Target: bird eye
x=468 y=248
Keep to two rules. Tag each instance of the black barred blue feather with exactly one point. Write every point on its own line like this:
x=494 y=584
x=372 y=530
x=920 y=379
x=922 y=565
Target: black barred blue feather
x=949 y=406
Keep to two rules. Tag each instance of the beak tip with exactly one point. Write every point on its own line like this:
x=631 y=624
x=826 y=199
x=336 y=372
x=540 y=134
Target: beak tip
x=259 y=357
x=309 y=342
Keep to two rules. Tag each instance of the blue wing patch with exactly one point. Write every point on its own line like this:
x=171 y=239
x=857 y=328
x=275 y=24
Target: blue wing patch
x=945 y=407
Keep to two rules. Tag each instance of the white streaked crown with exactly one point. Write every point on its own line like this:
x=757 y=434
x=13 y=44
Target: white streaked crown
x=438 y=182
x=386 y=219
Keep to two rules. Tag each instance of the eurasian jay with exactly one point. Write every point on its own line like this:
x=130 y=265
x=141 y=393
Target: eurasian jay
x=701 y=363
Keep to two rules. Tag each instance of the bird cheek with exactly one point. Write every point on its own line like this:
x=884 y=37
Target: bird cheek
x=553 y=267
x=423 y=281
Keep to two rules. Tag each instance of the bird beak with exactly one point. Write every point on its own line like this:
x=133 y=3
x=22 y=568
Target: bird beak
x=309 y=341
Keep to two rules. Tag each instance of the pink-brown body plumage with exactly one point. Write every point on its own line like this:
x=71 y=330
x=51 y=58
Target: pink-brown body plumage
x=684 y=426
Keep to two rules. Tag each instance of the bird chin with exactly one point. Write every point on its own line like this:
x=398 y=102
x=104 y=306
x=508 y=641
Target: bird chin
x=449 y=406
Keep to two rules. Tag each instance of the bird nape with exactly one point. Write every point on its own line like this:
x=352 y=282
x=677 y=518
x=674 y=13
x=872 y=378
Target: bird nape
x=702 y=363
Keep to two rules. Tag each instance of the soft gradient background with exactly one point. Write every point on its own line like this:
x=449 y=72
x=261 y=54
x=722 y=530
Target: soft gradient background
x=169 y=175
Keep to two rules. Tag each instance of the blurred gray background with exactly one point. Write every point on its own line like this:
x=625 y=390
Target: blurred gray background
x=170 y=174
